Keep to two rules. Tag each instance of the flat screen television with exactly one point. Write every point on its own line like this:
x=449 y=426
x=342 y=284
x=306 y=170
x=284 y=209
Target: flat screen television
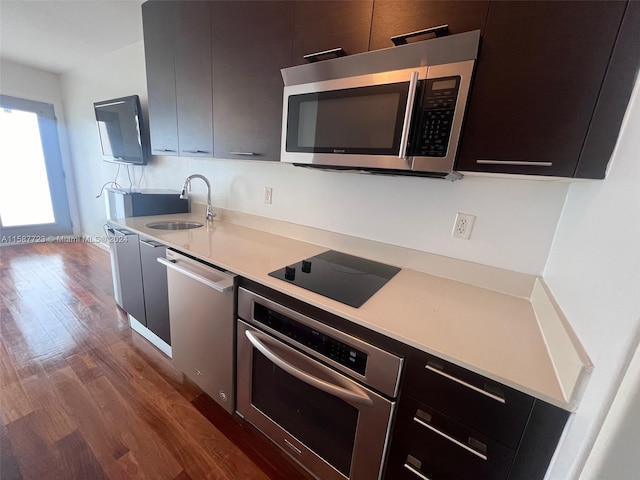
x=122 y=130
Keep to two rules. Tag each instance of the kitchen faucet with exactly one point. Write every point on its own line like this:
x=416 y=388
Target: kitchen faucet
x=187 y=185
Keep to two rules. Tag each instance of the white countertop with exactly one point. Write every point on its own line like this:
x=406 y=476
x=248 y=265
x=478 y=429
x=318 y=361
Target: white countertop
x=494 y=334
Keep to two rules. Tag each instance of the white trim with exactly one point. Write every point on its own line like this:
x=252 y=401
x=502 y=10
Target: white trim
x=570 y=360
x=150 y=336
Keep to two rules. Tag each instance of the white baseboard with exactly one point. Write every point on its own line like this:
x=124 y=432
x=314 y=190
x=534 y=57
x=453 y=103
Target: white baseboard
x=150 y=336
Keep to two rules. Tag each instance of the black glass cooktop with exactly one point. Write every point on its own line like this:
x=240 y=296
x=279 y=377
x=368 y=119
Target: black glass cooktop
x=345 y=278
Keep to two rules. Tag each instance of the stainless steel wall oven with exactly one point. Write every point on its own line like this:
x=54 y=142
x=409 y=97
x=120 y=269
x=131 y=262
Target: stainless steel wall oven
x=325 y=397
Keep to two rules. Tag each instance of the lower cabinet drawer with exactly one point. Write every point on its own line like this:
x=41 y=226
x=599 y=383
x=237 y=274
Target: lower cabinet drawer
x=487 y=406
x=429 y=445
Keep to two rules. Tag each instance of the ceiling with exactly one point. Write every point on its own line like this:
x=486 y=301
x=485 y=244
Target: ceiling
x=60 y=35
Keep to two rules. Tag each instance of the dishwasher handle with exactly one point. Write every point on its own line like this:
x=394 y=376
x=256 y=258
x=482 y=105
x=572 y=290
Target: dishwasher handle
x=224 y=285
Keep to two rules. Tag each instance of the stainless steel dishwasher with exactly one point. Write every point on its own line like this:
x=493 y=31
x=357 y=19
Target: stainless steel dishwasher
x=202 y=324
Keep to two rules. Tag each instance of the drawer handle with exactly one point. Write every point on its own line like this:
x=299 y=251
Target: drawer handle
x=246 y=154
x=196 y=151
x=415 y=471
x=514 y=162
x=465 y=384
x=419 y=421
x=152 y=243
x=292 y=447
x=163 y=150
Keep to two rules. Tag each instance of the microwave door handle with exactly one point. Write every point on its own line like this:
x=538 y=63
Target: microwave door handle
x=257 y=339
x=404 y=139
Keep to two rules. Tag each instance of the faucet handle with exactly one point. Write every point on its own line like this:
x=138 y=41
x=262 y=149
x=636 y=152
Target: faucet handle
x=210 y=213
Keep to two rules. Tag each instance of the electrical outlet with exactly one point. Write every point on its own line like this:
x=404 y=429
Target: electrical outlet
x=463 y=226
x=268 y=195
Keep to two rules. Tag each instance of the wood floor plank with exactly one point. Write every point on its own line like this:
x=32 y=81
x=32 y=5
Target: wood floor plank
x=183 y=476
x=77 y=459
x=36 y=460
x=84 y=338
x=18 y=348
x=52 y=418
x=84 y=367
x=105 y=443
x=143 y=443
x=32 y=335
x=132 y=468
x=15 y=403
x=9 y=468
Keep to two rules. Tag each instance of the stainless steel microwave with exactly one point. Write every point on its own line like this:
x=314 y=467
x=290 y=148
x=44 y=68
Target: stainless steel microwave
x=397 y=111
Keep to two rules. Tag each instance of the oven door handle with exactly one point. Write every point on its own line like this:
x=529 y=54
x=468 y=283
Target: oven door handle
x=356 y=395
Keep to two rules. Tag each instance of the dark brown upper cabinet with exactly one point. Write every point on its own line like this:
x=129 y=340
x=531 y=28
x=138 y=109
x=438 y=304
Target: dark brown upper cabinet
x=397 y=17
x=538 y=79
x=194 y=79
x=251 y=43
x=158 y=20
x=614 y=98
x=177 y=43
x=325 y=25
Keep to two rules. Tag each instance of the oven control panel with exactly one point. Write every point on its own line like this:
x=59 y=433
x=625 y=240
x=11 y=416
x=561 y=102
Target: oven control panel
x=322 y=343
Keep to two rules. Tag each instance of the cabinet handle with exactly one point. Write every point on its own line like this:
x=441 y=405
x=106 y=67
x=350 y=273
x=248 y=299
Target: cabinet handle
x=465 y=384
x=415 y=471
x=123 y=233
x=440 y=31
x=163 y=150
x=404 y=138
x=514 y=162
x=419 y=421
x=313 y=57
x=151 y=243
x=292 y=446
x=247 y=154
x=196 y=151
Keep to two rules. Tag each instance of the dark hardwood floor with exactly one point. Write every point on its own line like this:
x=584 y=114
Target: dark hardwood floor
x=82 y=396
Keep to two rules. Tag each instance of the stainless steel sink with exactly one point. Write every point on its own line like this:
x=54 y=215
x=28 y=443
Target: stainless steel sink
x=174 y=225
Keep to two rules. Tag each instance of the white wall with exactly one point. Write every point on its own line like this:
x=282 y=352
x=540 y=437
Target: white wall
x=594 y=273
x=32 y=84
x=117 y=74
x=516 y=219
x=615 y=453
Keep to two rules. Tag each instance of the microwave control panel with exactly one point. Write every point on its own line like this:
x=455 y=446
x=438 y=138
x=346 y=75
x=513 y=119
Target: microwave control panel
x=435 y=117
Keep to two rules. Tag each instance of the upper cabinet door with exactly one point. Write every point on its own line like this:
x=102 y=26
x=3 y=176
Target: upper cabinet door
x=158 y=20
x=397 y=17
x=324 y=25
x=194 y=79
x=538 y=77
x=251 y=43
x=613 y=99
